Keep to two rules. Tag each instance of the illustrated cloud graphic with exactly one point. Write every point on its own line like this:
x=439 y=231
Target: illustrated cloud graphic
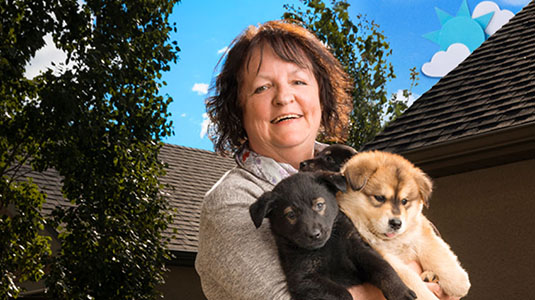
x=499 y=18
x=445 y=61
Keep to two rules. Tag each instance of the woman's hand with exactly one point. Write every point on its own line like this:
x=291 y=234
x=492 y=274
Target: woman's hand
x=368 y=291
x=437 y=290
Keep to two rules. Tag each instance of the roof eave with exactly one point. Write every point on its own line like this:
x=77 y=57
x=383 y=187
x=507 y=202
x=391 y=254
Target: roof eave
x=182 y=258
x=476 y=152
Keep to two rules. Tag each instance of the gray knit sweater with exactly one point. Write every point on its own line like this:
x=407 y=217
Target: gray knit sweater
x=236 y=260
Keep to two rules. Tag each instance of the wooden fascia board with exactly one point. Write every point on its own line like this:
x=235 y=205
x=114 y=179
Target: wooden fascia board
x=182 y=258
x=476 y=152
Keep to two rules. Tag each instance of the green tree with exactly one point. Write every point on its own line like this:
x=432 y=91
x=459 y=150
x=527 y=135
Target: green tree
x=22 y=248
x=99 y=123
x=363 y=51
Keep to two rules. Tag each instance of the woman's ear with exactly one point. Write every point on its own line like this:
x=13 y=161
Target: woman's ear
x=261 y=208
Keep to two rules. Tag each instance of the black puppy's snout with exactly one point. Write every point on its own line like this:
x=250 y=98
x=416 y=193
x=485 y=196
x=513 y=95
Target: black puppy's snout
x=315 y=234
x=395 y=223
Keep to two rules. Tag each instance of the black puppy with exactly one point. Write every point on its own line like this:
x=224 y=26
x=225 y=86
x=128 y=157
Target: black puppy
x=320 y=250
x=332 y=158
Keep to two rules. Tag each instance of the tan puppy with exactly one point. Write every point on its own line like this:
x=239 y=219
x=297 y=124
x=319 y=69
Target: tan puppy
x=385 y=197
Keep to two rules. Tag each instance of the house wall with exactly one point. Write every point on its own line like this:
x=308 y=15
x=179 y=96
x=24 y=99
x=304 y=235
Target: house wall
x=182 y=283
x=488 y=218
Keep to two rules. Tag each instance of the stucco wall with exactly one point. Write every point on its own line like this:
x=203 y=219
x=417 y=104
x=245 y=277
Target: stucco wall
x=488 y=218
x=182 y=283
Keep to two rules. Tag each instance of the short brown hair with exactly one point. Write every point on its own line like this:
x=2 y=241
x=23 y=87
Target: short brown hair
x=289 y=42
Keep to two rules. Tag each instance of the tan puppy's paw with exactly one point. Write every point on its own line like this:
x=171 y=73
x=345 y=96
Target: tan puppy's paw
x=456 y=286
x=429 y=276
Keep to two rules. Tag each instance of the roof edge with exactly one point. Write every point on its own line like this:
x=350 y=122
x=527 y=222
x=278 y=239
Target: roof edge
x=182 y=258
x=490 y=149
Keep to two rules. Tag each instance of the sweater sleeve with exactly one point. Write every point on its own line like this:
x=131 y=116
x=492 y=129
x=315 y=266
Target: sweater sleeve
x=235 y=260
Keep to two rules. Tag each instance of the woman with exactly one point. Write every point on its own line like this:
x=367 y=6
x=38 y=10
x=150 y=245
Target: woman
x=278 y=88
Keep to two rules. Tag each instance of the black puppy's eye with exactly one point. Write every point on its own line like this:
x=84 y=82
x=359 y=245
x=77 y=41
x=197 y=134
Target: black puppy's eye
x=330 y=159
x=381 y=199
x=404 y=201
x=319 y=205
x=290 y=216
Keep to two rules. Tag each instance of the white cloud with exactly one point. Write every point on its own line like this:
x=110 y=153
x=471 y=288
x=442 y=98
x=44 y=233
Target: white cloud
x=443 y=62
x=204 y=125
x=183 y=115
x=222 y=50
x=499 y=18
x=44 y=57
x=200 y=88
x=410 y=101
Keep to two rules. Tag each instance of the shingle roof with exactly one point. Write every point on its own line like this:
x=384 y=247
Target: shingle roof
x=190 y=174
x=491 y=90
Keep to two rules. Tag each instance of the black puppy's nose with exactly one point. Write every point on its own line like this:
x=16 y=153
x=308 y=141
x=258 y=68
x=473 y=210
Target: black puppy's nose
x=303 y=165
x=315 y=234
x=395 y=223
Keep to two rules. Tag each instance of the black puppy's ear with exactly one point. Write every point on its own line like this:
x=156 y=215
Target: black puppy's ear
x=334 y=181
x=261 y=208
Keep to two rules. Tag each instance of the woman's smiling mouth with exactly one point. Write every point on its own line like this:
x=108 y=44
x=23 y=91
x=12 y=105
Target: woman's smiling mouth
x=285 y=117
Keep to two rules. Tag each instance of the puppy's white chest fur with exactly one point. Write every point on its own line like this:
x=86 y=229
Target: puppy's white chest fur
x=404 y=246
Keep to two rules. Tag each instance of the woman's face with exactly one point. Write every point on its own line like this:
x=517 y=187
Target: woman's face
x=281 y=104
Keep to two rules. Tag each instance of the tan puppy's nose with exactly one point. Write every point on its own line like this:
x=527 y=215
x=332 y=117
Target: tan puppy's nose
x=395 y=223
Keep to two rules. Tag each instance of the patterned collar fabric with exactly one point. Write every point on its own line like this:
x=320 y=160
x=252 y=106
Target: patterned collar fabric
x=267 y=168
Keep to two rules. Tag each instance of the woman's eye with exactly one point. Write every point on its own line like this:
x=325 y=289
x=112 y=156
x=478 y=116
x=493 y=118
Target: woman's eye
x=260 y=89
x=380 y=198
x=299 y=82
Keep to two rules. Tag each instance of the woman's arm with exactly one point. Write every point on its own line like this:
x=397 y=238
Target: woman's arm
x=369 y=292
x=236 y=260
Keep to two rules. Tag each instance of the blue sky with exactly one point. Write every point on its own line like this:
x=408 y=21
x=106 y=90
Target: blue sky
x=206 y=27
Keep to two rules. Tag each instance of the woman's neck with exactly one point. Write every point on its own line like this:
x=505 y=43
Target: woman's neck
x=289 y=155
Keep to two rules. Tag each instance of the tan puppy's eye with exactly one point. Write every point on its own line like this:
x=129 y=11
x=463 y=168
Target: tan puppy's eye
x=404 y=201
x=381 y=199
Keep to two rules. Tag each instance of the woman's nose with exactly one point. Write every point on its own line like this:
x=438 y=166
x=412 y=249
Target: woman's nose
x=283 y=96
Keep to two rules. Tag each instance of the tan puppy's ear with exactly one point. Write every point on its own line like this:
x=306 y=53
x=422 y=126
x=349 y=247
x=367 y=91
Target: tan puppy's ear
x=357 y=172
x=356 y=180
x=425 y=186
